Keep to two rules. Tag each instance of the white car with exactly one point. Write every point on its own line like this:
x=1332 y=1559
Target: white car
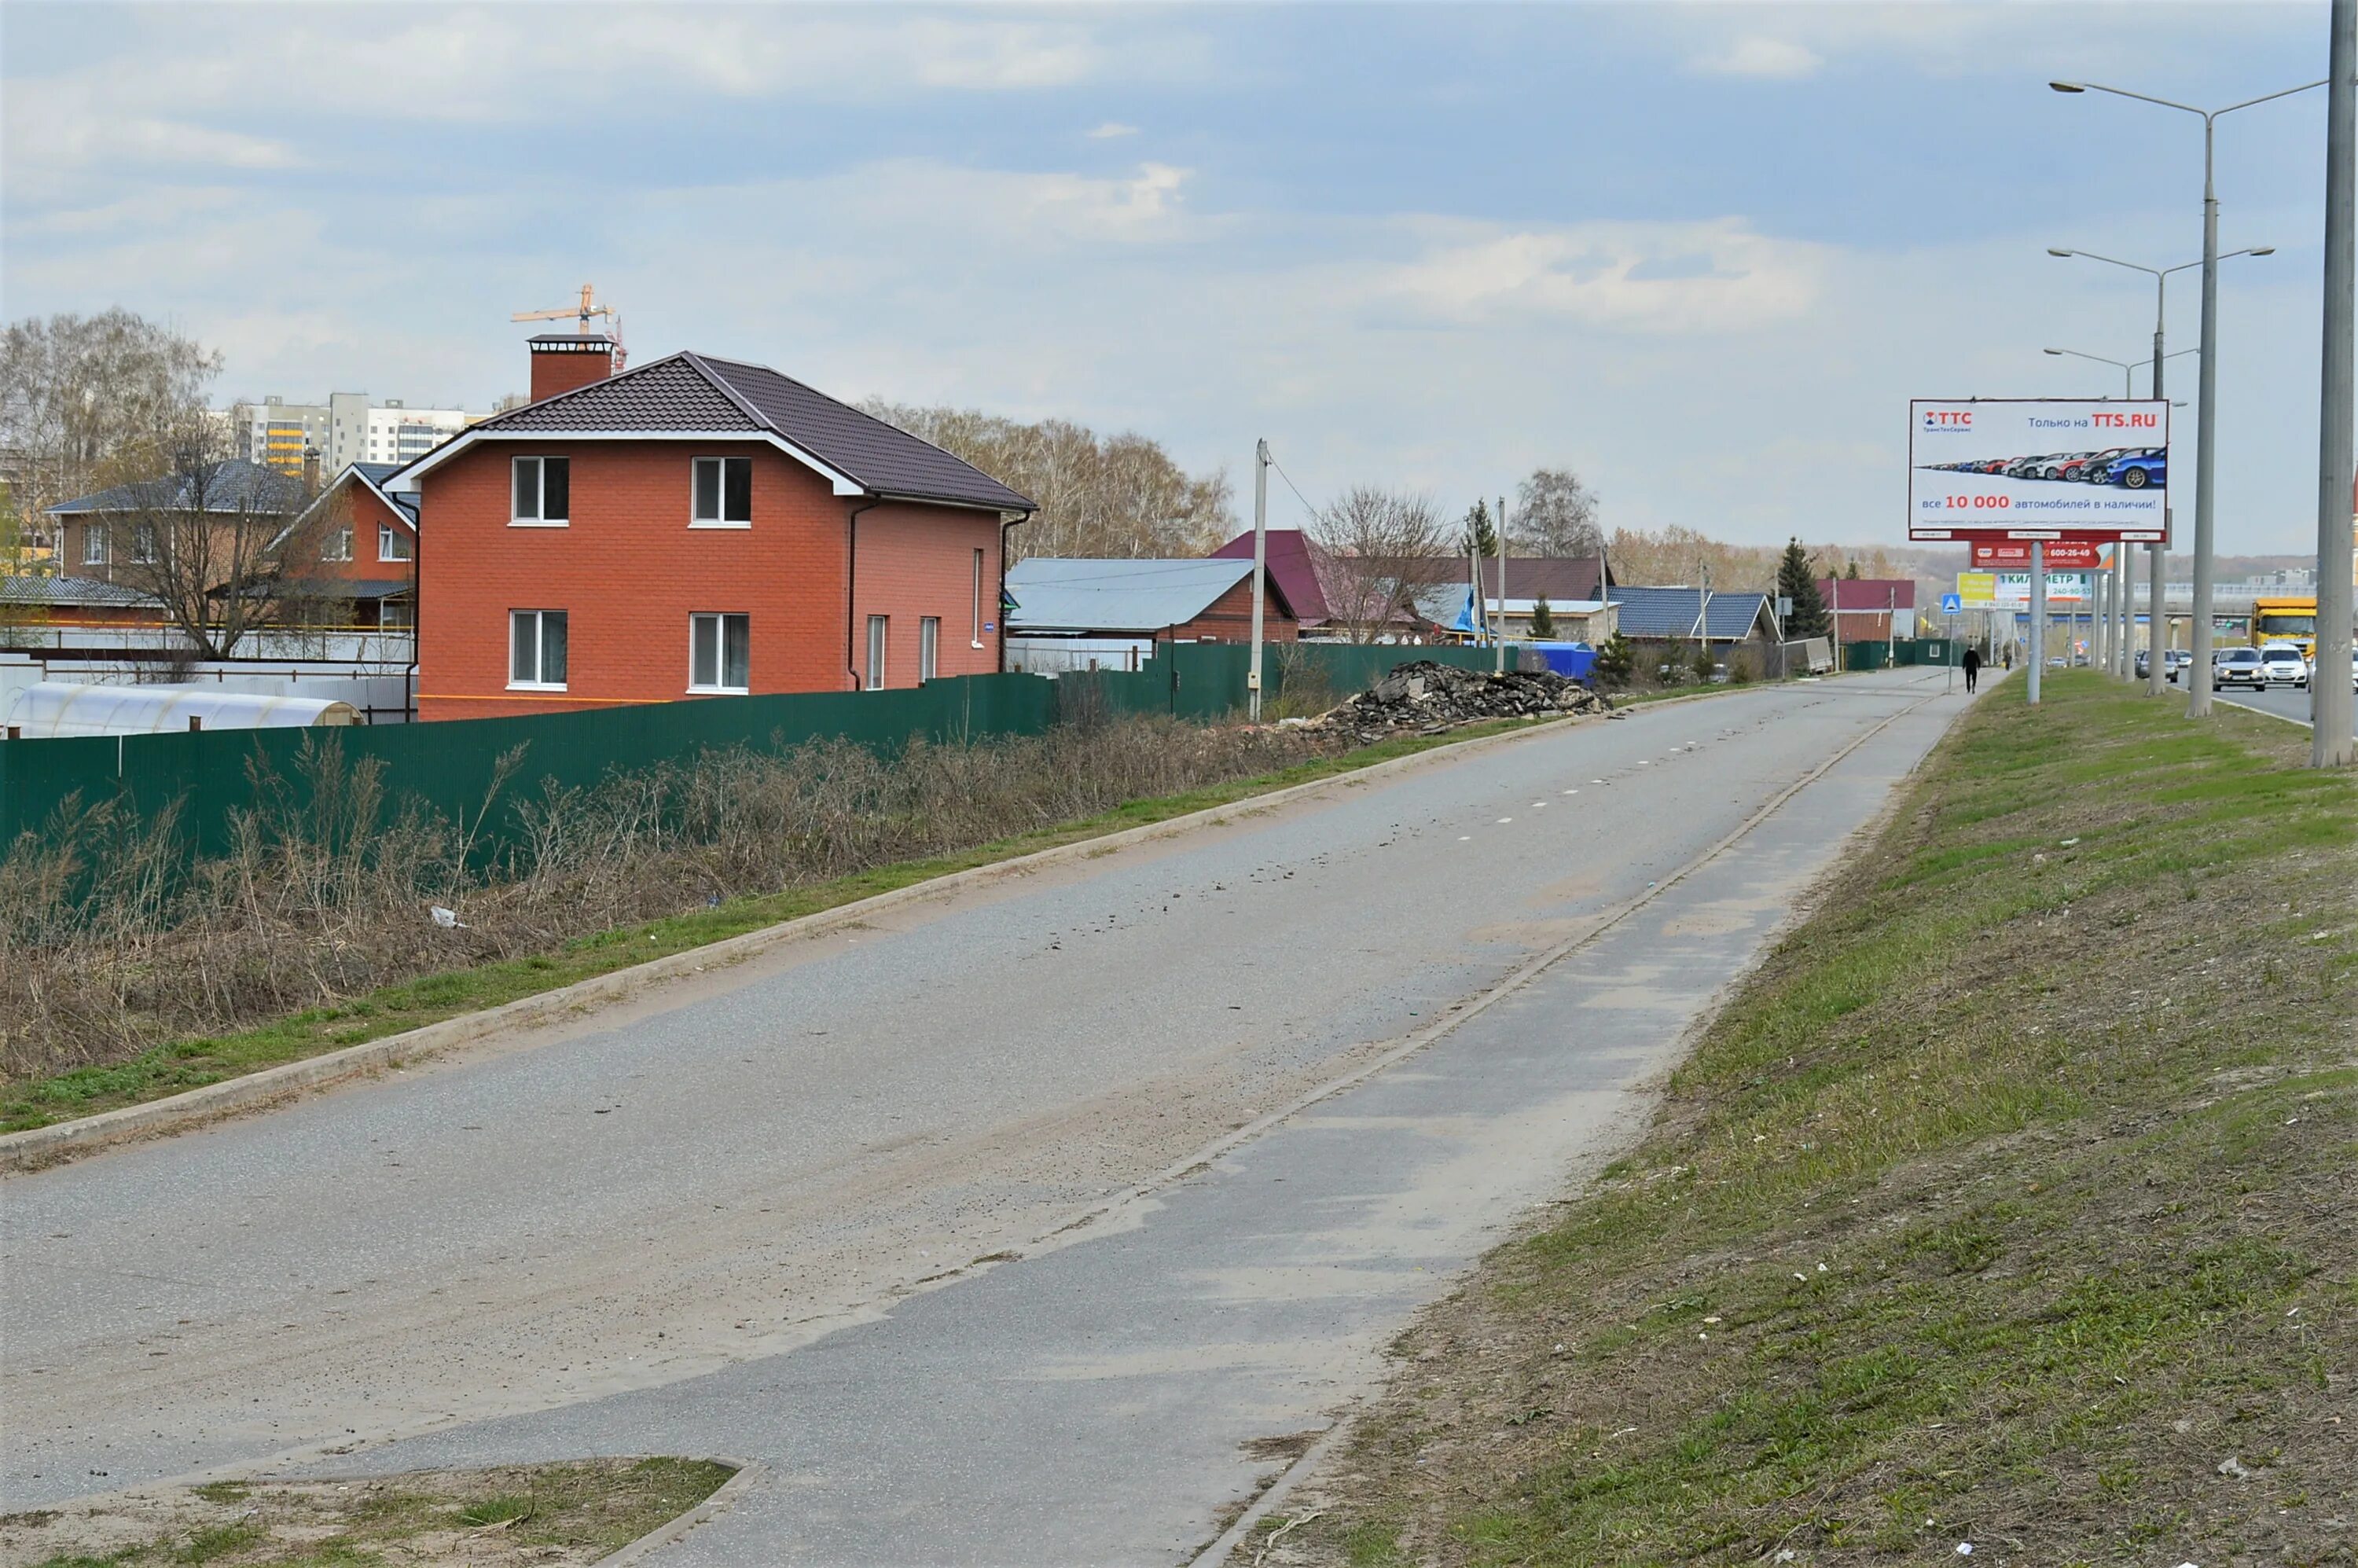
x=2284 y=666
x=2238 y=666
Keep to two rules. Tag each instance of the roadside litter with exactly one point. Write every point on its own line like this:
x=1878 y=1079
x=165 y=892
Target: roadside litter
x=1427 y=698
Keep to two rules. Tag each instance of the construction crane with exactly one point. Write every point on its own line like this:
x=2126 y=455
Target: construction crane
x=582 y=313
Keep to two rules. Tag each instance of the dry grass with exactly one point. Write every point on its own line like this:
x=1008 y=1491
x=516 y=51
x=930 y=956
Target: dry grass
x=518 y=1516
x=111 y=944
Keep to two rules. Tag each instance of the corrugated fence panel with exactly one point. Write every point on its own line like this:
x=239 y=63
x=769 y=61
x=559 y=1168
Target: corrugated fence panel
x=451 y=765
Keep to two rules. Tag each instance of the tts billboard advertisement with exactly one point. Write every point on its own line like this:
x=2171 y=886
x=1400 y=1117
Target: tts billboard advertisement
x=2037 y=468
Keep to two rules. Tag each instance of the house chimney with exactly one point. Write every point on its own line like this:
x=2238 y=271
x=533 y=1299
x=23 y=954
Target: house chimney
x=562 y=362
x=310 y=471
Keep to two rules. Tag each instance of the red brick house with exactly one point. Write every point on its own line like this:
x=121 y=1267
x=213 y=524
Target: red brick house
x=693 y=526
x=365 y=539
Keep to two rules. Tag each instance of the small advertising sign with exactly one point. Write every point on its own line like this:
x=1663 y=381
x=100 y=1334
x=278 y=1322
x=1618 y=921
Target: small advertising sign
x=2038 y=469
x=1977 y=591
x=2062 y=588
x=2014 y=555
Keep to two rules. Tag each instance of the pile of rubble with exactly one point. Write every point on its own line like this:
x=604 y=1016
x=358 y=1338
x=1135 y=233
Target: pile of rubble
x=1425 y=697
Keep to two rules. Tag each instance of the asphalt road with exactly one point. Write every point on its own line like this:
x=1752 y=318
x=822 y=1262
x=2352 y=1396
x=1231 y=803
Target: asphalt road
x=2284 y=701
x=819 y=1211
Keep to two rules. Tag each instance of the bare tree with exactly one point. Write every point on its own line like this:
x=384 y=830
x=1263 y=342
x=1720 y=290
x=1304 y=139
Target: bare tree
x=213 y=538
x=82 y=398
x=1382 y=548
x=1099 y=495
x=1556 y=514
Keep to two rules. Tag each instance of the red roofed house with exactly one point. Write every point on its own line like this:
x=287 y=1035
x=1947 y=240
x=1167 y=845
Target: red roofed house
x=693 y=526
x=1294 y=561
x=1864 y=607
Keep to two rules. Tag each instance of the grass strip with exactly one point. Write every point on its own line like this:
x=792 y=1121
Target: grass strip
x=2011 y=1204
x=190 y=1064
x=505 y=1517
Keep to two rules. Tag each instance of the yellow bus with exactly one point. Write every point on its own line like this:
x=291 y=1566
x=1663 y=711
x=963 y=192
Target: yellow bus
x=2286 y=617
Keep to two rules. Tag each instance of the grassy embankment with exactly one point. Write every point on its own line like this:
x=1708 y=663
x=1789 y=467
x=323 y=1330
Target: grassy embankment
x=189 y=1063
x=513 y=1516
x=2013 y=1202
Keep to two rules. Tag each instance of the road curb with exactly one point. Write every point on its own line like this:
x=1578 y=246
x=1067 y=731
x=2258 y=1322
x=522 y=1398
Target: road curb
x=36 y=1147
x=727 y=1495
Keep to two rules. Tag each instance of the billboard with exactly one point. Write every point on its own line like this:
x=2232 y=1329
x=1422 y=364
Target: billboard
x=1976 y=590
x=2039 y=467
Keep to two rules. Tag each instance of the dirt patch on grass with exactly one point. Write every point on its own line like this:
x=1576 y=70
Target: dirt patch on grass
x=500 y=1517
x=2011 y=1204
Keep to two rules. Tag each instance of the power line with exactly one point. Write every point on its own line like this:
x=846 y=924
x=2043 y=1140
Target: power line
x=1308 y=509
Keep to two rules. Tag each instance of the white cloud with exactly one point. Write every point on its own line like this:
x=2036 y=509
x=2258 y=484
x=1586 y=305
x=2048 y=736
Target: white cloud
x=55 y=129
x=1110 y=129
x=1779 y=60
x=1646 y=277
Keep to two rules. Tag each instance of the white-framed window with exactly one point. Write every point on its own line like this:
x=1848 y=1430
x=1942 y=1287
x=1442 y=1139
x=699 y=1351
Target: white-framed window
x=544 y=492
x=724 y=494
x=876 y=624
x=929 y=647
x=143 y=543
x=719 y=653
x=94 y=545
x=337 y=546
x=536 y=650
x=978 y=598
x=392 y=544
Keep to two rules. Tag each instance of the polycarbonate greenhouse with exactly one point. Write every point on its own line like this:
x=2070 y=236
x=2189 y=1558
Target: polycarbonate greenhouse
x=54 y=709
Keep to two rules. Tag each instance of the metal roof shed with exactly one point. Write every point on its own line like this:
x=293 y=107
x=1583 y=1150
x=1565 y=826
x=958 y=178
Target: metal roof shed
x=54 y=709
x=1070 y=597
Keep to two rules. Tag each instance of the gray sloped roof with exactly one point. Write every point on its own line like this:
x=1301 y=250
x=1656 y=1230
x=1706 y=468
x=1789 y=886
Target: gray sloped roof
x=1670 y=612
x=70 y=590
x=1057 y=594
x=374 y=475
x=687 y=392
x=230 y=485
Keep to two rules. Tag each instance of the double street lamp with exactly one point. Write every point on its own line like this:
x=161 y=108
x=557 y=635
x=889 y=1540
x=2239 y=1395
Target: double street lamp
x=2153 y=566
x=2126 y=367
x=2198 y=675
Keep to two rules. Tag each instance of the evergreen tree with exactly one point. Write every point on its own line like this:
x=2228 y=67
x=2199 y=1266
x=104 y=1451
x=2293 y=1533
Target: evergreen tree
x=1481 y=533
x=1616 y=661
x=1797 y=580
x=1543 y=618
x=1850 y=572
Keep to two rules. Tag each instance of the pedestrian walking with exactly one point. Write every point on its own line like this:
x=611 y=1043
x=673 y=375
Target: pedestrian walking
x=1972 y=663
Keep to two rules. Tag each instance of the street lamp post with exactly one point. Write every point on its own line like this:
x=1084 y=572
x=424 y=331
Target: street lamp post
x=2154 y=553
x=2206 y=417
x=2156 y=625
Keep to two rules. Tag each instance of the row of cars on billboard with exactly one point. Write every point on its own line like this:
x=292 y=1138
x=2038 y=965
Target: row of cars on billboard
x=2132 y=468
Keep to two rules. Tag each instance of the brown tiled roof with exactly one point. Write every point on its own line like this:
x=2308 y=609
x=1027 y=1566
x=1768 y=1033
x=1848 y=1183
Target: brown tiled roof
x=690 y=391
x=672 y=394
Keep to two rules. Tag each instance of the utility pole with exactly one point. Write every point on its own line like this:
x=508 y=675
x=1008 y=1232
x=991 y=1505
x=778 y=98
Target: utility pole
x=2100 y=583
x=2126 y=565
x=2330 y=701
x=1260 y=569
x=2037 y=616
x=1501 y=663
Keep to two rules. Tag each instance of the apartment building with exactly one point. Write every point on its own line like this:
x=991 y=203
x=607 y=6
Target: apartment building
x=346 y=429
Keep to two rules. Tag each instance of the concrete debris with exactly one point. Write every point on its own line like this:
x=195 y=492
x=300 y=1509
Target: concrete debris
x=1424 y=697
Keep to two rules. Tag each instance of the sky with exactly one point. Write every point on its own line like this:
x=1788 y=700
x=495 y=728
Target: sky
x=1701 y=255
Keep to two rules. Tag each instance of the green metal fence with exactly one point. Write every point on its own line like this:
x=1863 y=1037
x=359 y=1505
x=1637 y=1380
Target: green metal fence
x=450 y=766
